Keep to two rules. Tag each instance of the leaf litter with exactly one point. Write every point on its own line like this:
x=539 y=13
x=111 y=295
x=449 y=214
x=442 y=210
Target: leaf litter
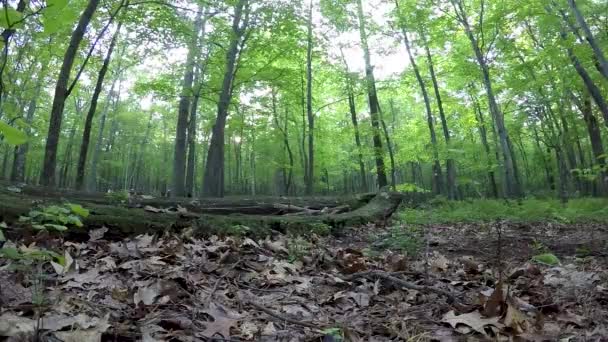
x=176 y=288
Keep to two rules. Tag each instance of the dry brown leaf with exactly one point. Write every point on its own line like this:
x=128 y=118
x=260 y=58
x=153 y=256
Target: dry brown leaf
x=223 y=320
x=495 y=303
x=515 y=319
x=97 y=234
x=473 y=320
x=439 y=263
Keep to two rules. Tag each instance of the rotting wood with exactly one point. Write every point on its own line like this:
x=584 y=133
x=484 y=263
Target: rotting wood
x=212 y=216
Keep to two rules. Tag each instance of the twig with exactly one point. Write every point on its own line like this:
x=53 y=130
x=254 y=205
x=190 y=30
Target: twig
x=402 y=283
x=283 y=318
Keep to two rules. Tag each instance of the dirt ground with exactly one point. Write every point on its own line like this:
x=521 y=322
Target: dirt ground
x=466 y=285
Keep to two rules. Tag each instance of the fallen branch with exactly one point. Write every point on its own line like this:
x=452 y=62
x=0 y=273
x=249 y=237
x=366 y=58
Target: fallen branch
x=283 y=318
x=386 y=276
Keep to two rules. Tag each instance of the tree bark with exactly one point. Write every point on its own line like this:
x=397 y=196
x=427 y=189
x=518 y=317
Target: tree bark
x=374 y=106
x=593 y=89
x=310 y=172
x=486 y=146
x=389 y=146
x=438 y=187
x=61 y=94
x=597 y=50
x=511 y=183
x=450 y=163
x=86 y=134
x=21 y=151
x=353 y=117
x=213 y=183
x=595 y=136
x=179 y=156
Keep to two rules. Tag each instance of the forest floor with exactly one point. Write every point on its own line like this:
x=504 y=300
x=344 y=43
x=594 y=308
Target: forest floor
x=382 y=281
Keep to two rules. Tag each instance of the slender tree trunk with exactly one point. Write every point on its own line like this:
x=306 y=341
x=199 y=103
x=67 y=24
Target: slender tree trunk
x=139 y=155
x=595 y=137
x=67 y=157
x=213 y=184
x=353 y=116
x=593 y=89
x=511 y=184
x=86 y=135
x=179 y=156
x=192 y=146
x=597 y=50
x=5 y=37
x=310 y=178
x=450 y=163
x=437 y=173
x=92 y=179
x=302 y=143
x=389 y=146
x=61 y=94
x=374 y=106
x=486 y=146
x=21 y=151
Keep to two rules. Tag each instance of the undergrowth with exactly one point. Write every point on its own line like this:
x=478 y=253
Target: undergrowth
x=528 y=210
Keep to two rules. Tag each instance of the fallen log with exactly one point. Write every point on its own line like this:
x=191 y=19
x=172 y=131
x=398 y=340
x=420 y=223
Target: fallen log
x=216 y=216
x=379 y=209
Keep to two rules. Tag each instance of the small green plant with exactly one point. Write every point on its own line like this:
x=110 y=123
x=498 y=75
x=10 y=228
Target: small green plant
x=297 y=248
x=237 y=230
x=56 y=217
x=539 y=247
x=320 y=229
x=546 y=258
x=409 y=187
x=118 y=197
x=407 y=239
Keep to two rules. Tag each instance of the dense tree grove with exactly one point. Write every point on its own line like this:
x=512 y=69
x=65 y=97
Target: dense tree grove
x=463 y=98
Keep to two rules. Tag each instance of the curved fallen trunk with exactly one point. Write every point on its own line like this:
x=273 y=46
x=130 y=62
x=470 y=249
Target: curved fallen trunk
x=257 y=216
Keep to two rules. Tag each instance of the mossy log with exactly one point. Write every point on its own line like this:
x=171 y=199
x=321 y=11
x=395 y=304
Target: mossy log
x=378 y=209
x=207 y=216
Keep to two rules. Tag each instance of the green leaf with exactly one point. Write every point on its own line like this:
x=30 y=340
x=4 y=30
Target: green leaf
x=2 y=237
x=57 y=227
x=12 y=135
x=10 y=18
x=38 y=227
x=78 y=210
x=10 y=253
x=546 y=258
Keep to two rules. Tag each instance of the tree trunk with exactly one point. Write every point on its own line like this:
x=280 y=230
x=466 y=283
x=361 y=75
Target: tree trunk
x=213 y=183
x=450 y=163
x=179 y=156
x=67 y=157
x=92 y=179
x=374 y=106
x=437 y=177
x=597 y=50
x=61 y=94
x=595 y=136
x=353 y=116
x=486 y=146
x=593 y=89
x=19 y=161
x=511 y=184
x=86 y=134
x=391 y=154
x=6 y=35
x=310 y=172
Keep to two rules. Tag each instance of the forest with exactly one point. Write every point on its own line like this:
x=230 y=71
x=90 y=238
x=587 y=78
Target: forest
x=303 y=170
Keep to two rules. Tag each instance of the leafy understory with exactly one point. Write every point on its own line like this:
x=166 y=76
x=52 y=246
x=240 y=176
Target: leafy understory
x=283 y=287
